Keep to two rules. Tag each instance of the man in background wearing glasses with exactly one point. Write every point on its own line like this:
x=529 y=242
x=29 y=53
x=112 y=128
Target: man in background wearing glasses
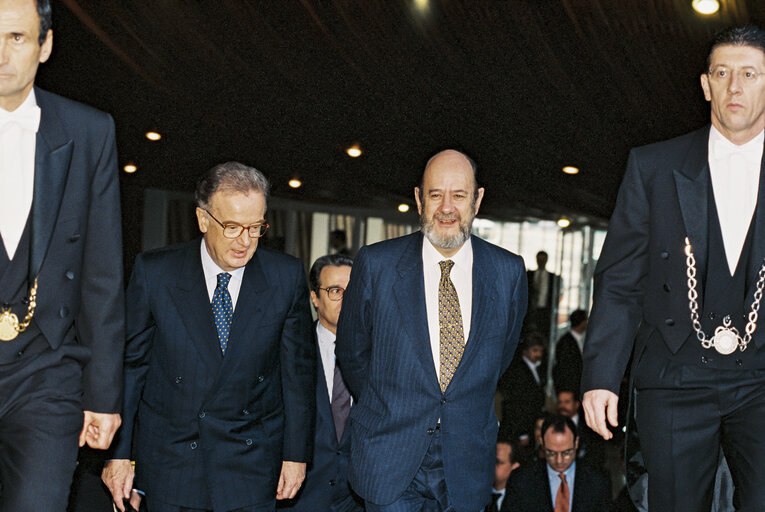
x=326 y=485
x=679 y=280
x=219 y=373
x=559 y=484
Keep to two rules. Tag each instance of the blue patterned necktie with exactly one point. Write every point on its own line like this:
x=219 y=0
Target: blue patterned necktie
x=452 y=338
x=222 y=309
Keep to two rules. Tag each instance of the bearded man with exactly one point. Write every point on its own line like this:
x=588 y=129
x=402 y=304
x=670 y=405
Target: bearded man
x=429 y=323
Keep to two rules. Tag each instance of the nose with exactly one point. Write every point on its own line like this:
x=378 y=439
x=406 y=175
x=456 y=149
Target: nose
x=244 y=238
x=734 y=84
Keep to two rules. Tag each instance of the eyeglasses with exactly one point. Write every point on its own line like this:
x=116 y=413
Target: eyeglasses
x=746 y=75
x=236 y=230
x=334 y=292
x=565 y=454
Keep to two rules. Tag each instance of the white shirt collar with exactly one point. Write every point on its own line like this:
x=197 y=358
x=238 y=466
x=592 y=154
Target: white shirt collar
x=211 y=271
x=462 y=258
x=717 y=139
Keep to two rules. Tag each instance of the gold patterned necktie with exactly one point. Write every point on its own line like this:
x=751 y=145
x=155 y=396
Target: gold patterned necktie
x=449 y=325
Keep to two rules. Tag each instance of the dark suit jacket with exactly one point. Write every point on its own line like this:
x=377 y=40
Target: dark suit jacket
x=641 y=293
x=528 y=490
x=522 y=399
x=326 y=486
x=567 y=370
x=383 y=347
x=552 y=284
x=76 y=243
x=209 y=431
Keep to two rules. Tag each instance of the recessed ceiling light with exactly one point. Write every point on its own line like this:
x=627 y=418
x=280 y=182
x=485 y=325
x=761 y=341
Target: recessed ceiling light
x=564 y=222
x=570 y=169
x=354 y=151
x=294 y=183
x=706 y=6
x=130 y=168
x=153 y=136
x=403 y=207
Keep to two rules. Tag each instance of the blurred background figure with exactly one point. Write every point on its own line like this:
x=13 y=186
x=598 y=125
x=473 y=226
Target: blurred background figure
x=567 y=369
x=507 y=455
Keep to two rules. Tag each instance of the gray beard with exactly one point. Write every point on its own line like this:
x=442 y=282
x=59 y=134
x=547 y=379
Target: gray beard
x=445 y=242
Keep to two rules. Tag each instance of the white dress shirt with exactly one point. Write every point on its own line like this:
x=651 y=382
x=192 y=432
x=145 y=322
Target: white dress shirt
x=579 y=337
x=462 y=277
x=541 y=287
x=735 y=172
x=554 y=480
x=533 y=367
x=327 y=353
x=501 y=498
x=211 y=270
x=17 y=174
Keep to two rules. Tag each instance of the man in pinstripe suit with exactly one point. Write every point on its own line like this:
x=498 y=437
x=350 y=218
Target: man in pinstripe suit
x=429 y=323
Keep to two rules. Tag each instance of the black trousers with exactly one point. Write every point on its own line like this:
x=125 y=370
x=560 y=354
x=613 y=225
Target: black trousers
x=684 y=414
x=40 y=422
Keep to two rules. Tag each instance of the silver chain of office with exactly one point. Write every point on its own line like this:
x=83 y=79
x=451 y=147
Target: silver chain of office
x=726 y=338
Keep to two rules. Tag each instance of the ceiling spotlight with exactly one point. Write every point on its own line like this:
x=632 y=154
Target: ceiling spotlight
x=354 y=151
x=153 y=136
x=563 y=222
x=130 y=168
x=706 y=6
x=295 y=183
x=403 y=207
x=570 y=169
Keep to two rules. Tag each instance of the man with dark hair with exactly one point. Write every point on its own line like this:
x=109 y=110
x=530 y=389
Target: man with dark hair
x=591 y=446
x=678 y=285
x=507 y=462
x=523 y=390
x=61 y=289
x=429 y=323
x=558 y=484
x=338 y=242
x=326 y=485
x=567 y=369
x=219 y=364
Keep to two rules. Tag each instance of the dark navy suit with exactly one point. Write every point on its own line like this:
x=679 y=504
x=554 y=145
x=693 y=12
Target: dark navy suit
x=528 y=490
x=383 y=348
x=70 y=357
x=326 y=485
x=209 y=431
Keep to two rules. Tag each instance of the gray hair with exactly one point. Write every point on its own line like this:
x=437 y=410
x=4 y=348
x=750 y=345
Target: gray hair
x=230 y=176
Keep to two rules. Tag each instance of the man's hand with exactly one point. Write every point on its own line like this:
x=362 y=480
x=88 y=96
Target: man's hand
x=98 y=429
x=599 y=403
x=118 y=476
x=293 y=474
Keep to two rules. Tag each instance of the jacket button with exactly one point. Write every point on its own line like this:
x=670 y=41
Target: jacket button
x=260 y=378
x=430 y=431
x=739 y=362
x=711 y=316
x=664 y=255
x=69 y=275
x=193 y=445
x=74 y=237
x=666 y=287
x=704 y=360
x=202 y=414
x=248 y=442
x=63 y=312
x=443 y=401
x=178 y=380
x=245 y=412
x=332 y=482
x=669 y=322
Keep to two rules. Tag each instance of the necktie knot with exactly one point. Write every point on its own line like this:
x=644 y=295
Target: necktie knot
x=562 y=476
x=27 y=118
x=223 y=279
x=446 y=267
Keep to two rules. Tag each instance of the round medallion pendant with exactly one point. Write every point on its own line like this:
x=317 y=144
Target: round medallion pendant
x=725 y=341
x=9 y=326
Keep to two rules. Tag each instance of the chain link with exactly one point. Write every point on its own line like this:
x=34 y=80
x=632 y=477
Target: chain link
x=693 y=305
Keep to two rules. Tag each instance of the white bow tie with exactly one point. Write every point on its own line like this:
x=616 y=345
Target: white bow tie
x=28 y=118
x=724 y=150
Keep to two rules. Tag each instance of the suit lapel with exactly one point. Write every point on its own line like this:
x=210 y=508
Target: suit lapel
x=692 y=182
x=409 y=292
x=53 y=153
x=193 y=304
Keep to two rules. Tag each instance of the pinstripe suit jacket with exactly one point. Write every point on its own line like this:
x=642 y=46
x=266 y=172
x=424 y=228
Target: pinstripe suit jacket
x=383 y=348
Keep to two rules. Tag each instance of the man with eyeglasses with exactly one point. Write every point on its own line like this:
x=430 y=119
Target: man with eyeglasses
x=326 y=485
x=678 y=285
x=219 y=364
x=558 y=484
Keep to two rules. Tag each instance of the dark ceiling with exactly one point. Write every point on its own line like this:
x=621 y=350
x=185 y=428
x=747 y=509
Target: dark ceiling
x=525 y=87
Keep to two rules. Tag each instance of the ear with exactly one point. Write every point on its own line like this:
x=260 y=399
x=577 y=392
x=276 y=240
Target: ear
x=705 y=86
x=417 y=199
x=478 y=200
x=202 y=220
x=576 y=443
x=314 y=299
x=515 y=466
x=47 y=47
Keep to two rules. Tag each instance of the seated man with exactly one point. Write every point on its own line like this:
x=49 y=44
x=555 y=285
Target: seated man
x=559 y=484
x=507 y=455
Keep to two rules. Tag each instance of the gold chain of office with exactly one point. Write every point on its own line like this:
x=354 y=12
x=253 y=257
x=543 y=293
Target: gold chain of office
x=726 y=338
x=10 y=327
